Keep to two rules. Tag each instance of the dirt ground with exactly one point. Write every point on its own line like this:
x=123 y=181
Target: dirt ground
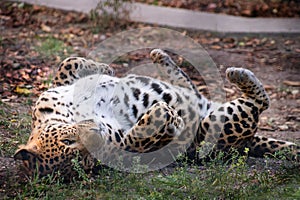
x=246 y=8
x=26 y=64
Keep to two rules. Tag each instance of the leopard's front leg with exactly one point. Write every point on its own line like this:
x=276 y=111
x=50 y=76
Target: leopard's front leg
x=74 y=68
x=155 y=129
x=175 y=75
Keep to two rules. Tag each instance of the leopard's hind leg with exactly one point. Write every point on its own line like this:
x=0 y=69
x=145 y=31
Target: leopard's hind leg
x=234 y=124
x=74 y=68
x=253 y=91
x=251 y=88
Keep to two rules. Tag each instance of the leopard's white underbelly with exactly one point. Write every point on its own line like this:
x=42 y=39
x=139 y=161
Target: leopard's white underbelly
x=121 y=101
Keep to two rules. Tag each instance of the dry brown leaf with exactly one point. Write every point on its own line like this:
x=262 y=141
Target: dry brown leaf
x=216 y=47
x=202 y=87
x=228 y=90
x=269 y=87
x=21 y=90
x=46 y=28
x=246 y=12
x=292 y=83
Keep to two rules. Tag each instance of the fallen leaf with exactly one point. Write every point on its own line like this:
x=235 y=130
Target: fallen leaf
x=269 y=87
x=289 y=42
x=246 y=13
x=45 y=28
x=21 y=90
x=292 y=83
x=216 y=47
x=228 y=90
x=266 y=128
x=283 y=127
x=228 y=40
x=211 y=6
x=202 y=87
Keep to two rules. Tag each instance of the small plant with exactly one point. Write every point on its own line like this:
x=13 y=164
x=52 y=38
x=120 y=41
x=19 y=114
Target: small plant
x=110 y=13
x=78 y=168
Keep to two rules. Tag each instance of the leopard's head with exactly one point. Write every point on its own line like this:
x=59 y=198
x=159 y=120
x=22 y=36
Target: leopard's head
x=56 y=147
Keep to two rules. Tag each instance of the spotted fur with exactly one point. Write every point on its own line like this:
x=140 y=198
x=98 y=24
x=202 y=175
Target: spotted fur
x=89 y=112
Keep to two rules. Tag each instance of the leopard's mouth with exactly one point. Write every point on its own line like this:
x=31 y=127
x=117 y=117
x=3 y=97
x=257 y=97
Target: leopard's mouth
x=25 y=168
x=30 y=161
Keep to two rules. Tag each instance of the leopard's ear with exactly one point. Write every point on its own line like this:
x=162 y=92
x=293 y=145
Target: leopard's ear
x=90 y=135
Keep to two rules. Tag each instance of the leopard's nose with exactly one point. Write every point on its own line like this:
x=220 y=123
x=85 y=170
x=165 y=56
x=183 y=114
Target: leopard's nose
x=23 y=154
x=29 y=160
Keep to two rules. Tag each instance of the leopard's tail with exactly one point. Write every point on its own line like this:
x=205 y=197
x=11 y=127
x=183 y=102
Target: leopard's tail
x=262 y=146
x=252 y=89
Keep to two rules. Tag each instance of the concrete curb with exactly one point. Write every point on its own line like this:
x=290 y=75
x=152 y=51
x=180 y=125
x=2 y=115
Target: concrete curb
x=182 y=18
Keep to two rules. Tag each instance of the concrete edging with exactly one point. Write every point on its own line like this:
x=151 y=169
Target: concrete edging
x=182 y=18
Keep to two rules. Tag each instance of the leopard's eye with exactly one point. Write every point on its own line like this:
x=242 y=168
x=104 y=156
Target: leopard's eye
x=67 y=141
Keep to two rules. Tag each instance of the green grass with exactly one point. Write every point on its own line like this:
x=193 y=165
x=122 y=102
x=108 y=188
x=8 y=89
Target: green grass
x=15 y=129
x=50 y=46
x=216 y=180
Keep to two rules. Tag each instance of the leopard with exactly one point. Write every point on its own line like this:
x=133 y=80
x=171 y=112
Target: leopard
x=93 y=116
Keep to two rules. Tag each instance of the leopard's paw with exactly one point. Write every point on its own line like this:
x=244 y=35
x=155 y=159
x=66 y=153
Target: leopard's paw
x=241 y=76
x=159 y=56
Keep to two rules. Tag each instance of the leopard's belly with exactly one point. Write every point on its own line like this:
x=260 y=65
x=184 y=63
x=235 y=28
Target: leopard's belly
x=120 y=102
